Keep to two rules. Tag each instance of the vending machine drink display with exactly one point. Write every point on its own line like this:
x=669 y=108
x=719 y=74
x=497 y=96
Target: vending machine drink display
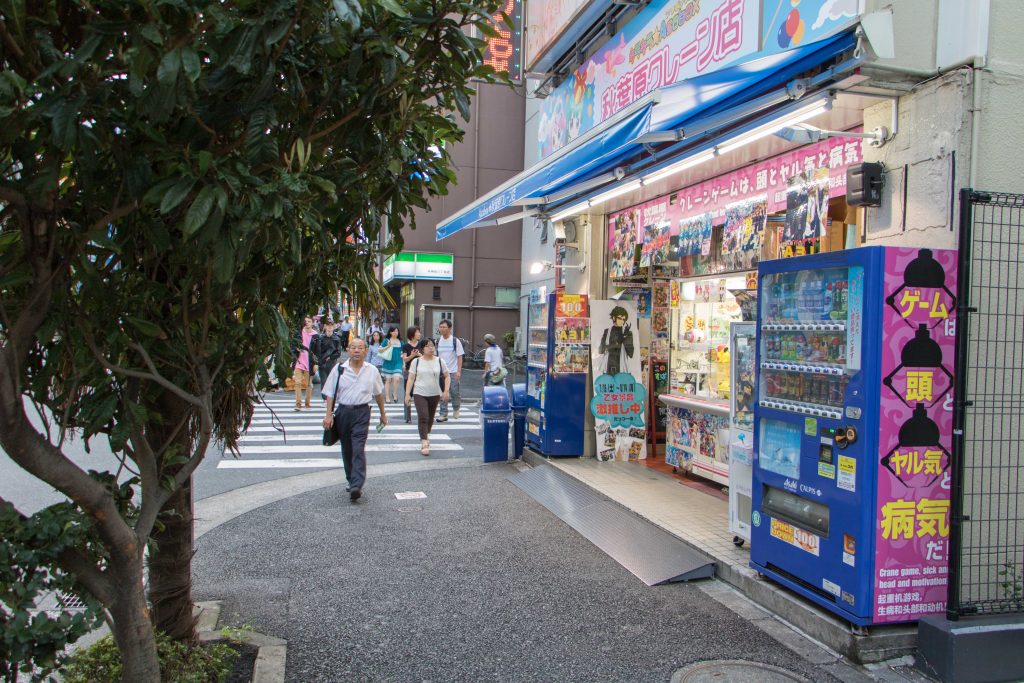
x=853 y=430
x=558 y=357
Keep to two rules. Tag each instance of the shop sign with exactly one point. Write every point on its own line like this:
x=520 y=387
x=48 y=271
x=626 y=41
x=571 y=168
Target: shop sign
x=693 y=210
x=411 y=265
x=672 y=40
x=504 y=51
x=913 y=513
x=546 y=20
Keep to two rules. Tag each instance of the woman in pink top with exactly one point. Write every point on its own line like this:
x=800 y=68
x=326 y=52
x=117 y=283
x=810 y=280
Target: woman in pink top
x=304 y=365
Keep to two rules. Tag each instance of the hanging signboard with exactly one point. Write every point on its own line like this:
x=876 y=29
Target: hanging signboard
x=411 y=265
x=504 y=51
x=670 y=41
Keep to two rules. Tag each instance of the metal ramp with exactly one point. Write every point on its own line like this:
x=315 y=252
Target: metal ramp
x=654 y=556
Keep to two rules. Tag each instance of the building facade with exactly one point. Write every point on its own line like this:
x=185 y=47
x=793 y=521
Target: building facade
x=472 y=278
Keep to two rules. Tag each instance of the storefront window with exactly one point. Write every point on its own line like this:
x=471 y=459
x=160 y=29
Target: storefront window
x=506 y=296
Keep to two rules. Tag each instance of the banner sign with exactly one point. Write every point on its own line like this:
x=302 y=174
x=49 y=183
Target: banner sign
x=916 y=435
x=619 y=403
x=672 y=40
x=765 y=185
x=504 y=51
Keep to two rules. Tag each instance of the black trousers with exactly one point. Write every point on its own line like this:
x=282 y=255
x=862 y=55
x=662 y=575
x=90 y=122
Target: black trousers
x=353 y=427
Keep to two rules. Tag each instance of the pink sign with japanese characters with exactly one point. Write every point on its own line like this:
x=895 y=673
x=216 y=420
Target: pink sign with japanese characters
x=916 y=433
x=766 y=179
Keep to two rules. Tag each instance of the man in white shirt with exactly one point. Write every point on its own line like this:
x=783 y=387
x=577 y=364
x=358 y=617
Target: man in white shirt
x=494 y=360
x=449 y=350
x=352 y=391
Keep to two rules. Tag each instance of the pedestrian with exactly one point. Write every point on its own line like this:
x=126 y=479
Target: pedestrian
x=392 y=368
x=350 y=388
x=411 y=350
x=346 y=332
x=450 y=351
x=428 y=383
x=375 y=326
x=373 y=345
x=326 y=348
x=304 y=363
x=494 y=362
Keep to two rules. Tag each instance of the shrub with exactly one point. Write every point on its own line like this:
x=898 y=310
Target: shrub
x=179 y=662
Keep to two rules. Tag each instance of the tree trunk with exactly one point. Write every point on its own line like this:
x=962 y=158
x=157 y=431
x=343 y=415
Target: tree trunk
x=170 y=562
x=132 y=628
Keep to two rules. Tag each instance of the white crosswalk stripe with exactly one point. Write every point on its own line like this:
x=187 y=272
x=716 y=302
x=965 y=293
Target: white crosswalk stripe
x=302 y=438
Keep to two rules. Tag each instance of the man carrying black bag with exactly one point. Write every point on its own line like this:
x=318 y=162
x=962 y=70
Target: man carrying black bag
x=352 y=392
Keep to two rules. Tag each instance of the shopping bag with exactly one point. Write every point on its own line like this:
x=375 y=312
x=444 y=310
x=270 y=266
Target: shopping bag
x=387 y=352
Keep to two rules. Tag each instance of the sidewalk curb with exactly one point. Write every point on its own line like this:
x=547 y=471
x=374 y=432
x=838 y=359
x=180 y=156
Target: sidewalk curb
x=271 y=655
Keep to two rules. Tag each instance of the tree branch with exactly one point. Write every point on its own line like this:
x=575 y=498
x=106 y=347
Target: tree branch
x=152 y=376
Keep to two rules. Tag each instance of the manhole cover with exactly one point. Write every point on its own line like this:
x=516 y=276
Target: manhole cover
x=734 y=671
x=410 y=508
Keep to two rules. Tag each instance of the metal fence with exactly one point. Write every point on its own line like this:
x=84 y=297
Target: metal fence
x=987 y=507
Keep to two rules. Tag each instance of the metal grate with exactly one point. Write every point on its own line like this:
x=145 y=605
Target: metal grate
x=69 y=601
x=987 y=510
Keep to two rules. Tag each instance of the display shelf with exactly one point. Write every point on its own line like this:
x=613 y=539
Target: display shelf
x=802 y=408
x=709 y=468
x=693 y=403
x=539 y=366
x=813 y=368
x=823 y=326
x=538 y=327
x=539 y=346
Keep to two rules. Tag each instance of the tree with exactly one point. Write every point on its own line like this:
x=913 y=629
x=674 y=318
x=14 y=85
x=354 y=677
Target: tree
x=172 y=175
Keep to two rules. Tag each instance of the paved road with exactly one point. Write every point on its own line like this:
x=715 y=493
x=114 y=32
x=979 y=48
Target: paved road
x=474 y=582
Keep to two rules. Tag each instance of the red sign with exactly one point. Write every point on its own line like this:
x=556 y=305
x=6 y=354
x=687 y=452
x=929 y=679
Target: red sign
x=505 y=51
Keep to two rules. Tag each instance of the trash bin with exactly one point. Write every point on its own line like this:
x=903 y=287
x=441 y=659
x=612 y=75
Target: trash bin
x=518 y=418
x=494 y=416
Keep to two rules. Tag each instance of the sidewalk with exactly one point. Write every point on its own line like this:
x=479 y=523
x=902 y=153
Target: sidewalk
x=701 y=521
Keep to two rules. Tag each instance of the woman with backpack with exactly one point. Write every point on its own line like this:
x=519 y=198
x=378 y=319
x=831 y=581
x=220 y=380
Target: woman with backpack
x=428 y=384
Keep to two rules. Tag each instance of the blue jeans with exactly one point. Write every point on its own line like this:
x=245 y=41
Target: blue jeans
x=353 y=427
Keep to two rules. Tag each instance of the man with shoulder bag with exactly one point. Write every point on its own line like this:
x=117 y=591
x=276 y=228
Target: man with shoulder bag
x=349 y=389
x=450 y=351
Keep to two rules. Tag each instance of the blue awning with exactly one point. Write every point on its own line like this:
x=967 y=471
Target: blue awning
x=668 y=108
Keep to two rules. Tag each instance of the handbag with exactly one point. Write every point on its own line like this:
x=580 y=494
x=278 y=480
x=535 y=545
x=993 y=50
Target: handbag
x=386 y=353
x=442 y=367
x=331 y=435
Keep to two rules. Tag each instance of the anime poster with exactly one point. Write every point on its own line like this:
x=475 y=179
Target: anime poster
x=642 y=298
x=620 y=398
x=742 y=233
x=695 y=235
x=689 y=433
x=806 y=212
x=572 y=334
x=623 y=239
x=656 y=242
x=572 y=330
x=661 y=295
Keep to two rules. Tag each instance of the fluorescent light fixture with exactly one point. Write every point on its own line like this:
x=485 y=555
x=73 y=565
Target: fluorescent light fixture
x=571 y=211
x=679 y=167
x=615 y=192
x=772 y=126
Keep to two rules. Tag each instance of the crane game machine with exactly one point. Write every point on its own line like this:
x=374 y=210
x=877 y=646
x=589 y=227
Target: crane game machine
x=558 y=357
x=853 y=430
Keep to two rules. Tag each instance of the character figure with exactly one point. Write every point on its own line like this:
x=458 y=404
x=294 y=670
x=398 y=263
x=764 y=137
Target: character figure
x=616 y=341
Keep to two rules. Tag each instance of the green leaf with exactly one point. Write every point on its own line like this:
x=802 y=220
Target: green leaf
x=170 y=65
x=176 y=194
x=145 y=327
x=64 y=125
x=151 y=33
x=223 y=261
x=197 y=214
x=462 y=102
x=205 y=159
x=394 y=7
x=190 y=63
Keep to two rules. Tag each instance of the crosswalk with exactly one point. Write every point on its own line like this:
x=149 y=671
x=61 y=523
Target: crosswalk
x=265 y=446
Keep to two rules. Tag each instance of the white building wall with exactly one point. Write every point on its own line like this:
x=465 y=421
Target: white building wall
x=533 y=250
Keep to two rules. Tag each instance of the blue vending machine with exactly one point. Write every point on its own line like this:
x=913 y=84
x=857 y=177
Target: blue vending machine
x=853 y=430
x=558 y=356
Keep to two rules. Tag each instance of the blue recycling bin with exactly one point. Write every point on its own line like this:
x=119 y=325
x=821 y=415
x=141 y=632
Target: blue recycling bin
x=518 y=418
x=494 y=416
